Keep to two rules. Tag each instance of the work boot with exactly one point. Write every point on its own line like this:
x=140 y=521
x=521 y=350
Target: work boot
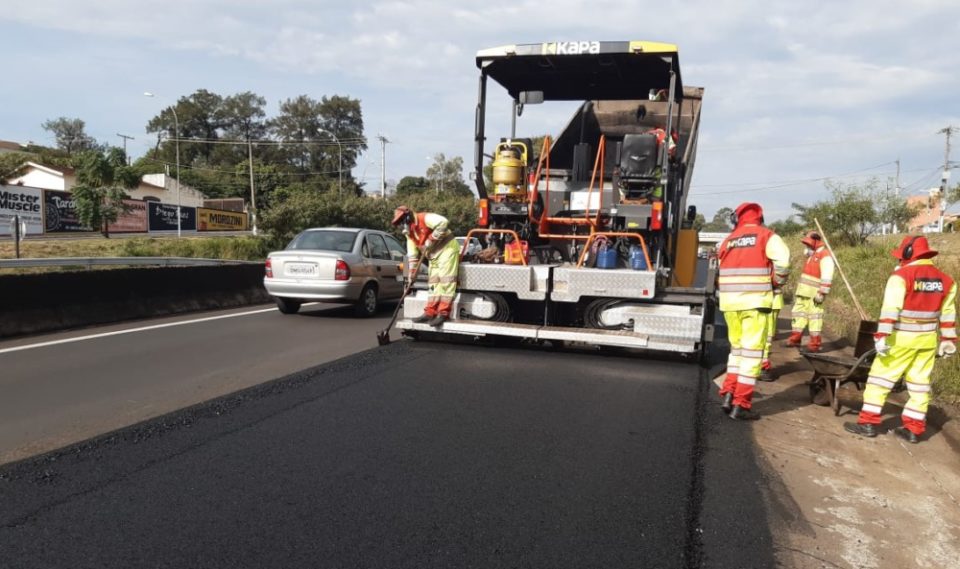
x=422 y=318
x=765 y=374
x=814 y=345
x=437 y=320
x=907 y=435
x=795 y=339
x=742 y=414
x=727 y=403
x=862 y=429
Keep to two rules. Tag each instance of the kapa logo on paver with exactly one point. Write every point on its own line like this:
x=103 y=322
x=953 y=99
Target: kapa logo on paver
x=576 y=47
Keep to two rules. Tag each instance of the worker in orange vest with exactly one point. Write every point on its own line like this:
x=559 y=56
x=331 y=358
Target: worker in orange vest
x=917 y=323
x=428 y=234
x=753 y=262
x=813 y=288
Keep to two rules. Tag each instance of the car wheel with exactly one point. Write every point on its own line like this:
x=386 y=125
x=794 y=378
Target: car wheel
x=367 y=305
x=288 y=306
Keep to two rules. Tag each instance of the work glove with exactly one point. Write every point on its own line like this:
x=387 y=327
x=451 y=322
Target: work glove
x=946 y=349
x=428 y=247
x=818 y=299
x=880 y=344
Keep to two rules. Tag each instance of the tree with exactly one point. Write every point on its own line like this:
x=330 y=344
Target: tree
x=786 y=227
x=12 y=165
x=699 y=221
x=343 y=117
x=298 y=121
x=102 y=178
x=199 y=116
x=855 y=212
x=70 y=135
x=447 y=175
x=409 y=185
x=720 y=222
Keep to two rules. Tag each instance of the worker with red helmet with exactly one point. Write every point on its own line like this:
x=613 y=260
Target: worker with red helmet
x=766 y=367
x=812 y=289
x=427 y=234
x=753 y=262
x=917 y=323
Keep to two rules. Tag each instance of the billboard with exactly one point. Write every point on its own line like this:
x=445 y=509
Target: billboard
x=25 y=202
x=163 y=217
x=220 y=220
x=61 y=213
x=133 y=220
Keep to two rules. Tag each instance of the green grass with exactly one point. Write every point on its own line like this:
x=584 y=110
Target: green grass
x=868 y=268
x=243 y=248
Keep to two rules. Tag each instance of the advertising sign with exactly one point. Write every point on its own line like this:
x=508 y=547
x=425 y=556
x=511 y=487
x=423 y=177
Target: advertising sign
x=163 y=217
x=220 y=220
x=25 y=202
x=60 y=215
x=134 y=220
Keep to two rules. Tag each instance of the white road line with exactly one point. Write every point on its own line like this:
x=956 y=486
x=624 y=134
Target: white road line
x=132 y=330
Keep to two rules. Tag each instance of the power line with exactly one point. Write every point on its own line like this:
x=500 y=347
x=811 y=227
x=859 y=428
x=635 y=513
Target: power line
x=269 y=142
x=783 y=184
x=221 y=171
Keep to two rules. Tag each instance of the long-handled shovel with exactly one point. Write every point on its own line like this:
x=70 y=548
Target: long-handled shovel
x=383 y=336
x=867 y=327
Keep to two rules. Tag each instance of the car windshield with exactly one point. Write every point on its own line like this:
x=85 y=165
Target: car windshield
x=341 y=241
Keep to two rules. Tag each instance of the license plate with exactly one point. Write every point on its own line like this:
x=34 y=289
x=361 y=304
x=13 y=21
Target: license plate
x=301 y=269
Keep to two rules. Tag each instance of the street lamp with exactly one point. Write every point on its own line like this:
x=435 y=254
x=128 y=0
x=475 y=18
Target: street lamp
x=340 y=167
x=176 y=143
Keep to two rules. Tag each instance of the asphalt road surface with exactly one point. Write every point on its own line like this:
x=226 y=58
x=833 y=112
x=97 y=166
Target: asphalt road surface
x=57 y=389
x=413 y=455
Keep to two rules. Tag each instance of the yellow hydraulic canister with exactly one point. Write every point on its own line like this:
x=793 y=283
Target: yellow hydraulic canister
x=688 y=241
x=508 y=172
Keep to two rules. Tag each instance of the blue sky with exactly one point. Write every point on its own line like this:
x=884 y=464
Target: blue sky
x=794 y=93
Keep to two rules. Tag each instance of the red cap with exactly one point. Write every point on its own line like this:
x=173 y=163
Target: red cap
x=913 y=247
x=749 y=212
x=812 y=239
x=399 y=214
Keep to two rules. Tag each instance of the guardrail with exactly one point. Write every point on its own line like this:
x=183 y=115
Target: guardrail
x=121 y=261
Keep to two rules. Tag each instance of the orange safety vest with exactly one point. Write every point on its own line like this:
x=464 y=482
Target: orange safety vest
x=927 y=288
x=419 y=230
x=811 y=271
x=744 y=266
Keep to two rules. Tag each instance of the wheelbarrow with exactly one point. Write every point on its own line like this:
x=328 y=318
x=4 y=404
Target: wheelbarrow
x=833 y=371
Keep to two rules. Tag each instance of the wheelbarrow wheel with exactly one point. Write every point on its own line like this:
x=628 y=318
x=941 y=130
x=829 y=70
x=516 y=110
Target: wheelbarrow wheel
x=819 y=395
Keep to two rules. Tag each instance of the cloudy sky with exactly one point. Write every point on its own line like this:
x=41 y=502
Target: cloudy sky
x=795 y=94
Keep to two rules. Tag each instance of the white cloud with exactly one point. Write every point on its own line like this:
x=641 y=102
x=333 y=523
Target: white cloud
x=775 y=72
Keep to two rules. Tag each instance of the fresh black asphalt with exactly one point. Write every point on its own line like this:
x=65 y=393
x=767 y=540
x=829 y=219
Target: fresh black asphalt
x=414 y=455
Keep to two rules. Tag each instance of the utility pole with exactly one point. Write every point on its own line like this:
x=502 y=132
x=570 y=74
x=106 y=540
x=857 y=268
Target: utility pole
x=383 y=165
x=125 y=139
x=893 y=227
x=253 y=193
x=948 y=131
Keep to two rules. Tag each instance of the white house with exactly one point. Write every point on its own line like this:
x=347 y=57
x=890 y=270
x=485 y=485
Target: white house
x=153 y=187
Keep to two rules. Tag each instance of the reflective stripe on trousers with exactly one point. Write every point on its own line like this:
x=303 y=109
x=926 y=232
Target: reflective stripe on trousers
x=444 y=268
x=807 y=314
x=747 y=331
x=771 y=332
x=915 y=366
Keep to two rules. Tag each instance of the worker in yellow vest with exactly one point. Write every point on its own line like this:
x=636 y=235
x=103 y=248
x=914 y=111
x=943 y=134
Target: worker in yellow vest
x=753 y=261
x=765 y=366
x=428 y=234
x=813 y=288
x=917 y=323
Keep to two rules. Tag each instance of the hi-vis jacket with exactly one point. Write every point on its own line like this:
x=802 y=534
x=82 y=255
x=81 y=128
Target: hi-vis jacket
x=919 y=299
x=428 y=226
x=817 y=274
x=753 y=261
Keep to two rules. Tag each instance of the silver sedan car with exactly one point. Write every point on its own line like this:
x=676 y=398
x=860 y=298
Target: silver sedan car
x=333 y=264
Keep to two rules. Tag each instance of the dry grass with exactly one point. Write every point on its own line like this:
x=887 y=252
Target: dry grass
x=243 y=248
x=868 y=269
